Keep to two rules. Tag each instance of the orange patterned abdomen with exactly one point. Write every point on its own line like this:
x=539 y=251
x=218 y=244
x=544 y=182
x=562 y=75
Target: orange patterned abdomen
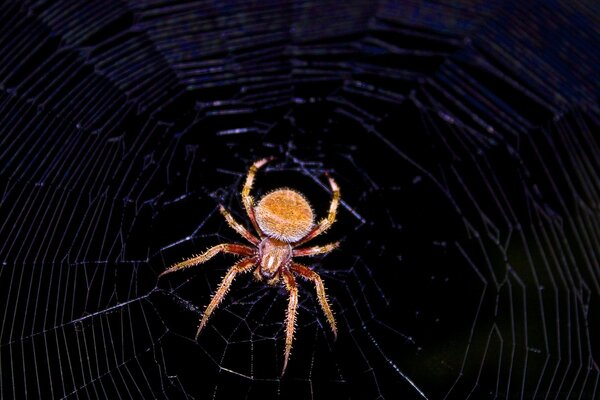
x=284 y=214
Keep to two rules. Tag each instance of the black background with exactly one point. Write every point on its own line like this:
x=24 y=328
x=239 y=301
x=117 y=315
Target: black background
x=463 y=136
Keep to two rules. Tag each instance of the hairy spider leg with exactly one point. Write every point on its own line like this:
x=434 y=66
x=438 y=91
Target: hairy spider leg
x=246 y=198
x=238 y=249
x=325 y=223
x=239 y=228
x=244 y=265
x=312 y=251
x=311 y=275
x=290 y=324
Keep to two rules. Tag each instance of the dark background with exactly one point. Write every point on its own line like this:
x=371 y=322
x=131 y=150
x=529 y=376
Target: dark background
x=464 y=136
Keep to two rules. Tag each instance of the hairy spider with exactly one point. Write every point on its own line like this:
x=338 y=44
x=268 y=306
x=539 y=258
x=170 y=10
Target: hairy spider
x=283 y=220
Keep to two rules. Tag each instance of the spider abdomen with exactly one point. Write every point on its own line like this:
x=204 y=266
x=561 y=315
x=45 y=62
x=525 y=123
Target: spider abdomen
x=285 y=215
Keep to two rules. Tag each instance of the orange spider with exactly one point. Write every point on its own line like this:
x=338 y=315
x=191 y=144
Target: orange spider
x=284 y=220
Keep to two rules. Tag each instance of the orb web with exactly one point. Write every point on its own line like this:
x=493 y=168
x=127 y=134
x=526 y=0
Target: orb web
x=462 y=135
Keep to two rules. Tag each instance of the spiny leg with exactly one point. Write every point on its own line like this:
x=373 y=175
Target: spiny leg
x=239 y=228
x=311 y=275
x=238 y=249
x=246 y=198
x=311 y=251
x=290 y=320
x=325 y=223
x=244 y=265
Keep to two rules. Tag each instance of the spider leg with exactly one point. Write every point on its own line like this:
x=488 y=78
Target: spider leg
x=246 y=198
x=325 y=223
x=238 y=249
x=311 y=275
x=311 y=251
x=239 y=228
x=244 y=265
x=290 y=320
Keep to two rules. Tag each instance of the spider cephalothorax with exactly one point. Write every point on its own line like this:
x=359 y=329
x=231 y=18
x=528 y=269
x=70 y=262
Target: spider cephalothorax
x=283 y=220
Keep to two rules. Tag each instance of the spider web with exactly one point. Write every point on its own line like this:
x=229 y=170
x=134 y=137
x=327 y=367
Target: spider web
x=463 y=136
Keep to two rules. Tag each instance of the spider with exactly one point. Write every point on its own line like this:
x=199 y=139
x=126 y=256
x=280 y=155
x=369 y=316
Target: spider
x=284 y=220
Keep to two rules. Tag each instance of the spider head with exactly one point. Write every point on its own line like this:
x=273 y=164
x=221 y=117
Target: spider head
x=285 y=215
x=273 y=255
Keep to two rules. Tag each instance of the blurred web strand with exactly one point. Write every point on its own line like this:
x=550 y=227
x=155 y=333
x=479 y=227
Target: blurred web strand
x=394 y=365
